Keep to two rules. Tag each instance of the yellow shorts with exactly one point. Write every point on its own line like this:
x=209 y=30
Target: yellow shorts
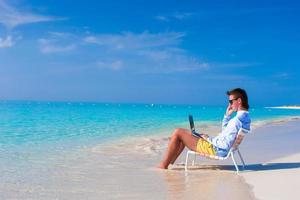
x=205 y=147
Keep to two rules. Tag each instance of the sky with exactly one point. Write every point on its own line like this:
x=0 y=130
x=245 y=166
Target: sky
x=150 y=51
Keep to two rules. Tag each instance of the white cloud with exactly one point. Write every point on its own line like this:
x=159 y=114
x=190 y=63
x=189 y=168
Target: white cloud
x=236 y=65
x=145 y=52
x=60 y=34
x=174 y=16
x=129 y=40
x=6 y=42
x=113 y=65
x=226 y=77
x=57 y=42
x=282 y=75
x=181 y=16
x=162 y=18
x=12 y=17
x=57 y=49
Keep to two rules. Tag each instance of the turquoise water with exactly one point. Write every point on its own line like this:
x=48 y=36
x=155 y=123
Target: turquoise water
x=55 y=148
x=41 y=141
x=81 y=124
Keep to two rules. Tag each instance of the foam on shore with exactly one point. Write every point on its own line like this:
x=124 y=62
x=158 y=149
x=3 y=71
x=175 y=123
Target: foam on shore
x=125 y=169
x=285 y=107
x=156 y=144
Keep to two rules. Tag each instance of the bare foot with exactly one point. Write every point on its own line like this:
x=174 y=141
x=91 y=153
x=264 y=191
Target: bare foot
x=162 y=166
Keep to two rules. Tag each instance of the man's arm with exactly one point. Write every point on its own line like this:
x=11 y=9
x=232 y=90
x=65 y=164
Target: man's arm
x=227 y=116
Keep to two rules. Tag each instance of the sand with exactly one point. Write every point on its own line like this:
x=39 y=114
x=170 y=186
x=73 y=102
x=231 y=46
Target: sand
x=274 y=173
x=126 y=170
x=276 y=179
x=285 y=107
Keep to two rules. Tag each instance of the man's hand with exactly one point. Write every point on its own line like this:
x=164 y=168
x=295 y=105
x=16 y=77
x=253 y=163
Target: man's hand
x=229 y=110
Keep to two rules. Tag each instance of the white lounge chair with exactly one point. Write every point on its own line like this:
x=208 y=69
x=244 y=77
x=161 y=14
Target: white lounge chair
x=233 y=149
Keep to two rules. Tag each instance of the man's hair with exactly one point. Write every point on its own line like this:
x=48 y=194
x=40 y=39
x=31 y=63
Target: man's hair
x=240 y=93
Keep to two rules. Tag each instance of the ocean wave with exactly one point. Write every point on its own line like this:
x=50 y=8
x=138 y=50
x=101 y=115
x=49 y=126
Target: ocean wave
x=155 y=145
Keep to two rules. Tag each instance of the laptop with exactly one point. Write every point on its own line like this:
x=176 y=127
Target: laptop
x=194 y=133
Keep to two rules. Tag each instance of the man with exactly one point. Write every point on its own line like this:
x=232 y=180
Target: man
x=219 y=145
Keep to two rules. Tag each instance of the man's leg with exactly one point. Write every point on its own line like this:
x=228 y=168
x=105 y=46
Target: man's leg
x=180 y=149
x=179 y=139
x=181 y=144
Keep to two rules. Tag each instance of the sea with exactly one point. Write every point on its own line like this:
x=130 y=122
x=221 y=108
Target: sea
x=35 y=134
x=76 y=124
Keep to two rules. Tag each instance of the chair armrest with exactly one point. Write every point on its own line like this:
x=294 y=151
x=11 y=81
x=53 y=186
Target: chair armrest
x=238 y=140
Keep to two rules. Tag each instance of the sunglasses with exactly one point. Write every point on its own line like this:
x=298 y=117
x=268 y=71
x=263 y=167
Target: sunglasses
x=231 y=100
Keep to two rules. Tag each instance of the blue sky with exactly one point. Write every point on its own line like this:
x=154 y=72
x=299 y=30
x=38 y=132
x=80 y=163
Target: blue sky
x=182 y=52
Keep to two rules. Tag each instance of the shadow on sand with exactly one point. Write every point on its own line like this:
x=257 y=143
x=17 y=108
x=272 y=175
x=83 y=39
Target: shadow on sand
x=272 y=166
x=249 y=167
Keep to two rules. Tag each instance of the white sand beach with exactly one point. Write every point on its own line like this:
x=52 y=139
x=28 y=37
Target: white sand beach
x=277 y=179
x=274 y=173
x=126 y=170
x=285 y=107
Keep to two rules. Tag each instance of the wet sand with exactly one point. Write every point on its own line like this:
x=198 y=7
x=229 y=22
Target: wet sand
x=126 y=170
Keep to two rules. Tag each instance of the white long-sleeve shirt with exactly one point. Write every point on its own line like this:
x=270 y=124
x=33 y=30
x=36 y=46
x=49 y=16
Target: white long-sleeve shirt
x=230 y=128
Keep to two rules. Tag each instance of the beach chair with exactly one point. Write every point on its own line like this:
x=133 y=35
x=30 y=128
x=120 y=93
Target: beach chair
x=235 y=148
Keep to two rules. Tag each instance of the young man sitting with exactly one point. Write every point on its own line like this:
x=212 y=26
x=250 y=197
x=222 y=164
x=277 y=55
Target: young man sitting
x=219 y=145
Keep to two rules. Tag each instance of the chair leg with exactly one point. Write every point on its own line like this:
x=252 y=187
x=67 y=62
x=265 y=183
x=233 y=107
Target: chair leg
x=241 y=158
x=186 y=161
x=193 y=163
x=233 y=160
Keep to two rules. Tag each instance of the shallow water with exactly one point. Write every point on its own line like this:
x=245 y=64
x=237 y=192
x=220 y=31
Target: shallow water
x=110 y=172
x=73 y=150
